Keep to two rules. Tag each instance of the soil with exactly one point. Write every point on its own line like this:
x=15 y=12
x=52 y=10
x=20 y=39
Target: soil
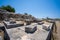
x=56 y=35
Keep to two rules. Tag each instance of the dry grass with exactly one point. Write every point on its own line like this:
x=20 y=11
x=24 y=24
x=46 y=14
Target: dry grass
x=2 y=34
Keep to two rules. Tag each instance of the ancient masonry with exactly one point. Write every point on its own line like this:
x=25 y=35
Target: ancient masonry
x=11 y=29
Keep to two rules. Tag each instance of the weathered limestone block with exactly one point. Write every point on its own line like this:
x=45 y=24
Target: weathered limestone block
x=46 y=27
x=30 y=30
x=12 y=22
x=40 y=23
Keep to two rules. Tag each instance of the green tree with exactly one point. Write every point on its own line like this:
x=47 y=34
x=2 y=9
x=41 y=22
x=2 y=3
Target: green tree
x=8 y=8
x=26 y=13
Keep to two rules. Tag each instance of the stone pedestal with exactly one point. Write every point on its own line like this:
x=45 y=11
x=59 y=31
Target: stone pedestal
x=30 y=30
x=46 y=27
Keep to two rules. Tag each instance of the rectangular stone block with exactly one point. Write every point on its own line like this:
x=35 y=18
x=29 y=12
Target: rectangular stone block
x=11 y=25
x=30 y=30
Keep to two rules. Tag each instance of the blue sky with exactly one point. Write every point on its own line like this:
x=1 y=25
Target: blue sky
x=37 y=8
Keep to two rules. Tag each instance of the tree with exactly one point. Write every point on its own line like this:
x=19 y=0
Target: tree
x=8 y=8
x=30 y=15
x=26 y=13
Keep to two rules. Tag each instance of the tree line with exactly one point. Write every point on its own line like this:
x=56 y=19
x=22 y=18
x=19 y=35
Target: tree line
x=8 y=8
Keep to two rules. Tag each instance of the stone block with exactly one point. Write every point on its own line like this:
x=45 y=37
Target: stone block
x=30 y=30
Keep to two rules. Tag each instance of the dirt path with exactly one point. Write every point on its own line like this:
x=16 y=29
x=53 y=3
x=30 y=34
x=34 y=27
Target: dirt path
x=57 y=35
x=58 y=30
